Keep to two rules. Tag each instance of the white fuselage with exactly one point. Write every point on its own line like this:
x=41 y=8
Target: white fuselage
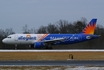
x=22 y=38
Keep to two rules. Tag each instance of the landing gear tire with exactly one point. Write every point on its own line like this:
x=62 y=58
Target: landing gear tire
x=48 y=47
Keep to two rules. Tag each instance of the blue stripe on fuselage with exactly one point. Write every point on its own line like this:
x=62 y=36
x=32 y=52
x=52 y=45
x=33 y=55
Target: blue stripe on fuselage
x=70 y=38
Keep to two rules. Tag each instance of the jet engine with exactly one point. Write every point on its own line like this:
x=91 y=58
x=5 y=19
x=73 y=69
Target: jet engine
x=38 y=45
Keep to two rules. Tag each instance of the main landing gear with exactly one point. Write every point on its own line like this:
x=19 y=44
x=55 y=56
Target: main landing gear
x=48 y=46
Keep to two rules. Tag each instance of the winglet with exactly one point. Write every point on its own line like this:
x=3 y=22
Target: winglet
x=90 y=28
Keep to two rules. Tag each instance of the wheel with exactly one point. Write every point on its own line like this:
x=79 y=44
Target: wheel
x=48 y=47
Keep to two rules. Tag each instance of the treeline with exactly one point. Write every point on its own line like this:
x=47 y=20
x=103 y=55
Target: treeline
x=62 y=26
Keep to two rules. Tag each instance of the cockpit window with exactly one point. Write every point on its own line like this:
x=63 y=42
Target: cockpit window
x=8 y=37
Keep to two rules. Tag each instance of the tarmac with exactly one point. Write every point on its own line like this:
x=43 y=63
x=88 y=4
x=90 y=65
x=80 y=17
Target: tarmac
x=54 y=63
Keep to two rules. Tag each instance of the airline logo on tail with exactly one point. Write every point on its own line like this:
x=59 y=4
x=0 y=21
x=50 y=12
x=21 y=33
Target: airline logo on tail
x=90 y=28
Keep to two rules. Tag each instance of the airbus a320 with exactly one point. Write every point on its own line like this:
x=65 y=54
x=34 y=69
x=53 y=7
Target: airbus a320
x=47 y=40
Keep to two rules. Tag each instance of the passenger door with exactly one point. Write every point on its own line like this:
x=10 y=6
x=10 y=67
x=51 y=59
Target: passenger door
x=16 y=37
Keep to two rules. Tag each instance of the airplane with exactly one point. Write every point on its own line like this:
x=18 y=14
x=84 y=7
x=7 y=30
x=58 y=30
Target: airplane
x=47 y=40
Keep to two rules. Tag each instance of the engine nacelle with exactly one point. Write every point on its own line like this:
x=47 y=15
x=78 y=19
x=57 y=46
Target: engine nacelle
x=37 y=45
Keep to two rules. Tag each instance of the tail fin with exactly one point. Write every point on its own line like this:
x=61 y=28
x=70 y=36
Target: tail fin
x=90 y=28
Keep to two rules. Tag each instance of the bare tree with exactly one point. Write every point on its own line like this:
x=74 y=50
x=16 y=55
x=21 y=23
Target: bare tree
x=62 y=26
x=25 y=29
x=52 y=28
x=9 y=31
x=42 y=29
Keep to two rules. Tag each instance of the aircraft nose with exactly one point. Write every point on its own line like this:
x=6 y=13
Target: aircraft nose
x=4 y=40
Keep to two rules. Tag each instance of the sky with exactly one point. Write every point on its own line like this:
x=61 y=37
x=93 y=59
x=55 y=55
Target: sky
x=17 y=13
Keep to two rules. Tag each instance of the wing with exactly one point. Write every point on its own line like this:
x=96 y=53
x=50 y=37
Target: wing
x=54 y=40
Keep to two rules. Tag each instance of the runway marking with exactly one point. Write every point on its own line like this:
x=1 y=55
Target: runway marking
x=52 y=50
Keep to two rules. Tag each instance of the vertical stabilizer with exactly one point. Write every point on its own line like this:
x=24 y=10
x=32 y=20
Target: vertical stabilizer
x=90 y=28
